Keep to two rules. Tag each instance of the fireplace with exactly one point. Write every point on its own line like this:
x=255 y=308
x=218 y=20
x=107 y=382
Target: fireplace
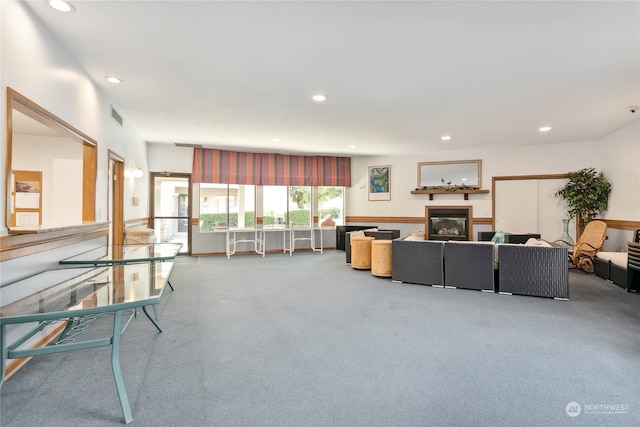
x=448 y=222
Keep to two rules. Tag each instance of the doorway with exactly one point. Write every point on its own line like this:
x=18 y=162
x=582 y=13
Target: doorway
x=116 y=190
x=171 y=208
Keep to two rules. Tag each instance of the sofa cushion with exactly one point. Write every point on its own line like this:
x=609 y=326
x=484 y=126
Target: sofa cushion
x=605 y=256
x=537 y=242
x=619 y=259
x=498 y=237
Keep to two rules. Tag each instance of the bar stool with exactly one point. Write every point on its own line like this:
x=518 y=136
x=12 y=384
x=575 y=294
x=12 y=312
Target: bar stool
x=381 y=258
x=361 y=252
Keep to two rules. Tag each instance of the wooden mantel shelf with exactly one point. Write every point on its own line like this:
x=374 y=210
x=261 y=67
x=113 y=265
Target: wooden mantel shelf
x=465 y=192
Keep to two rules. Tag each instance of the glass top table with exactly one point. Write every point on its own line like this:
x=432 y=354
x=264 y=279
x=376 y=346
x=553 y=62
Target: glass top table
x=74 y=298
x=125 y=254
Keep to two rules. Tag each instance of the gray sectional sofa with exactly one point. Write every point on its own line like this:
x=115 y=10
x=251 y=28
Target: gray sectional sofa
x=539 y=269
x=533 y=270
x=469 y=265
x=417 y=261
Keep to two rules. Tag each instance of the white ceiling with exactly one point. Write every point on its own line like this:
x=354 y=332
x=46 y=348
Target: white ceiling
x=397 y=75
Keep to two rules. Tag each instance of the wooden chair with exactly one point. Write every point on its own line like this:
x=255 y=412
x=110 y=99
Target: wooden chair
x=588 y=245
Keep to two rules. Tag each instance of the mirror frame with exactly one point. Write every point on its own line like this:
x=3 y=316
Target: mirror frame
x=478 y=162
x=21 y=103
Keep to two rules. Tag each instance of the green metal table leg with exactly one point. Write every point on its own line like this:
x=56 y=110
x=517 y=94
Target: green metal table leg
x=3 y=350
x=144 y=309
x=115 y=366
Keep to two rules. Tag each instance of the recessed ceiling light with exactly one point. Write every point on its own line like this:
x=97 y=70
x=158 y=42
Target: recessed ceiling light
x=446 y=137
x=353 y=145
x=276 y=139
x=545 y=129
x=114 y=80
x=319 y=98
x=62 y=6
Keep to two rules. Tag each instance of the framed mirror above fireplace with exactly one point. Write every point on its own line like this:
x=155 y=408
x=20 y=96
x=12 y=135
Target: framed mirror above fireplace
x=458 y=173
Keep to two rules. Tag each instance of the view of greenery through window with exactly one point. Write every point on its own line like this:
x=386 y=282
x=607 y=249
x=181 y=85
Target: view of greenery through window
x=233 y=206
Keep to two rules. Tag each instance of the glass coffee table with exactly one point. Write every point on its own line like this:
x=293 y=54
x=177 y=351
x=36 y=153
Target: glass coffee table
x=71 y=299
x=126 y=254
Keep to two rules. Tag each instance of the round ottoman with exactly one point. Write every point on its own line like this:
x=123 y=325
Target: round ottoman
x=361 y=252
x=381 y=258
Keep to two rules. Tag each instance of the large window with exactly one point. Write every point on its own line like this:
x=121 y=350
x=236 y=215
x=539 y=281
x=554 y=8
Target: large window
x=331 y=204
x=226 y=205
x=282 y=205
x=233 y=206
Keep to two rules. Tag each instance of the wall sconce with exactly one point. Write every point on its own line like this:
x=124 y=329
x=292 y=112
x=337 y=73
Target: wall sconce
x=133 y=172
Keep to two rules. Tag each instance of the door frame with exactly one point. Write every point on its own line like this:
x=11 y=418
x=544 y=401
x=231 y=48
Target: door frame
x=116 y=190
x=152 y=202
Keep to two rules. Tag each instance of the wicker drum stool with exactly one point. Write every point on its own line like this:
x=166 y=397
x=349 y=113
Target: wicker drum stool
x=361 y=252
x=381 y=258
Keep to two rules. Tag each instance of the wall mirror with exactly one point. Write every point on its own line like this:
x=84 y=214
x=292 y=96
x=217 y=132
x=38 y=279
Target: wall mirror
x=51 y=169
x=467 y=173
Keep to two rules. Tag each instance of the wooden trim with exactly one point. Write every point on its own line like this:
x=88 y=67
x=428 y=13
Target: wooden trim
x=134 y=223
x=621 y=224
x=385 y=219
x=521 y=177
x=116 y=187
x=89 y=177
x=13 y=366
x=404 y=219
x=612 y=223
x=195 y=221
x=485 y=220
x=29 y=107
x=19 y=102
x=19 y=245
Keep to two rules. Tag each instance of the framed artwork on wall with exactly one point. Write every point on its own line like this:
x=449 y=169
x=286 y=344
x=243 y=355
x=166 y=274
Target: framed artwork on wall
x=379 y=183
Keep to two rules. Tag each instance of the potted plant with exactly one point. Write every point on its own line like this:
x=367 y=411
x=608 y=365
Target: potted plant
x=586 y=193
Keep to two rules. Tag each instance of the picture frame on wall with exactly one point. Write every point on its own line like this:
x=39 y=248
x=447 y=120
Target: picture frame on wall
x=379 y=183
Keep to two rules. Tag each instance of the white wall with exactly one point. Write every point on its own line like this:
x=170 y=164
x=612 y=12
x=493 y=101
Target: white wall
x=617 y=156
x=36 y=65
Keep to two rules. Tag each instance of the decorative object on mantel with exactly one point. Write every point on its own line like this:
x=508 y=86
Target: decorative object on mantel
x=458 y=176
x=447 y=187
x=586 y=193
x=435 y=190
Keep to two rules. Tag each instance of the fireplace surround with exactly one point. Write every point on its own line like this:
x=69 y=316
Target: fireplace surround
x=448 y=222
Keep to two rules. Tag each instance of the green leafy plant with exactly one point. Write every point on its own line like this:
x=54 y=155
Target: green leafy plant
x=586 y=193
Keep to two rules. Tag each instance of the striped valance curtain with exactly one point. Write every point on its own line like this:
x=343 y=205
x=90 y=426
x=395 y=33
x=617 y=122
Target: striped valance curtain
x=226 y=167
x=232 y=167
x=333 y=171
x=281 y=169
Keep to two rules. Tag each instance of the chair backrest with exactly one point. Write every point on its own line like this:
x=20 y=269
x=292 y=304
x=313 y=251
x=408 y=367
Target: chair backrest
x=593 y=236
x=633 y=258
x=358 y=233
x=636 y=236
